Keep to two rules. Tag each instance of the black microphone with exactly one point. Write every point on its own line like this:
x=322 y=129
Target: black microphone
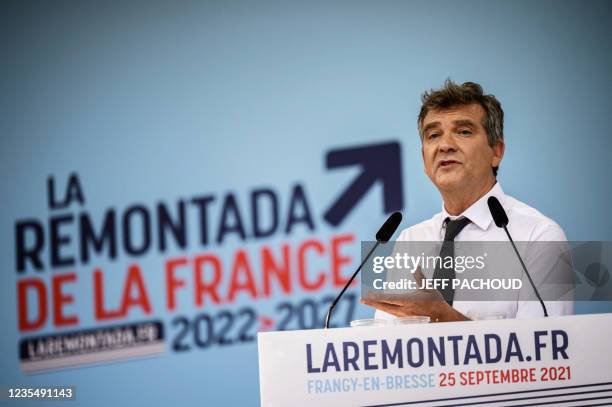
x=388 y=228
x=501 y=220
x=382 y=236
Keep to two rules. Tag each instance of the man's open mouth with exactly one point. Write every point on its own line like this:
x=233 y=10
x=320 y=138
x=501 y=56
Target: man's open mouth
x=447 y=163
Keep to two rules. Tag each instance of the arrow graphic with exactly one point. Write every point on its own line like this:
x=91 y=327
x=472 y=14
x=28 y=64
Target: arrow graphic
x=379 y=162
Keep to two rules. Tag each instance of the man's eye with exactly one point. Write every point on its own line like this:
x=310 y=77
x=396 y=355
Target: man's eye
x=433 y=136
x=465 y=132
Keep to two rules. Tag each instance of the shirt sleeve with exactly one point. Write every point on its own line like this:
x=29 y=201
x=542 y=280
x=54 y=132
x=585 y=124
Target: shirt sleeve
x=549 y=263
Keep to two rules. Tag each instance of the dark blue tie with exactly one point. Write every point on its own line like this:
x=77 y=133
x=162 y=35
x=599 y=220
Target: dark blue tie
x=453 y=227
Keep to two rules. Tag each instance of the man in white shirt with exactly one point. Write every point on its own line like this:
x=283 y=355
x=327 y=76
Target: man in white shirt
x=461 y=131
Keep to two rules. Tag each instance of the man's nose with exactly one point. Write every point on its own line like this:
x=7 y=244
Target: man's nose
x=447 y=142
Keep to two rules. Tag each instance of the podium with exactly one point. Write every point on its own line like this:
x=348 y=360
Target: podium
x=557 y=361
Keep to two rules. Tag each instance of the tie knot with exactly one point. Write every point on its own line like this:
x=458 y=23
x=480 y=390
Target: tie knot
x=453 y=227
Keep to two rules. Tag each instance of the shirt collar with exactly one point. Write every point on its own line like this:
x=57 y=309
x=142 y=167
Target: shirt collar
x=478 y=212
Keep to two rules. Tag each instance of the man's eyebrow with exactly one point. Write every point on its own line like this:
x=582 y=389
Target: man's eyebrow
x=430 y=126
x=464 y=122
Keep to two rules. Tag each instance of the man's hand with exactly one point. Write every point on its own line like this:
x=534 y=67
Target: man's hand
x=417 y=303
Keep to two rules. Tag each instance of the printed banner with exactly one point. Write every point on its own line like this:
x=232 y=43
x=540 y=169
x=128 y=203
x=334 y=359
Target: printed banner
x=486 y=362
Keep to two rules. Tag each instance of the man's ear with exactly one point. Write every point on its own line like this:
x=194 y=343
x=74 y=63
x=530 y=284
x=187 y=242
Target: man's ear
x=498 y=153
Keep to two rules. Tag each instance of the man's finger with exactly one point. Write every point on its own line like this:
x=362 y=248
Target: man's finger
x=406 y=306
x=389 y=308
x=419 y=276
x=375 y=303
x=384 y=297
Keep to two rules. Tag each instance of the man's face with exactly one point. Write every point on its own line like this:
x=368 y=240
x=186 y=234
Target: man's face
x=455 y=149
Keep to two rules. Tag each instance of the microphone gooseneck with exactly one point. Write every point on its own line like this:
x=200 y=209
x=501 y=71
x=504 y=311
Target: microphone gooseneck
x=382 y=236
x=501 y=221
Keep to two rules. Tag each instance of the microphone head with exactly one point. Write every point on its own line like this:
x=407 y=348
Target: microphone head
x=388 y=228
x=497 y=211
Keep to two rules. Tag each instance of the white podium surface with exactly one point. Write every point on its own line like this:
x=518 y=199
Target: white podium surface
x=559 y=361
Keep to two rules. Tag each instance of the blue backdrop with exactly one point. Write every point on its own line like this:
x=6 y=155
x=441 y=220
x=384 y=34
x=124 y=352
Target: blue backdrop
x=169 y=101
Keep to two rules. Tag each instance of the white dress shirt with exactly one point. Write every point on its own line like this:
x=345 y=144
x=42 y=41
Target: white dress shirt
x=526 y=224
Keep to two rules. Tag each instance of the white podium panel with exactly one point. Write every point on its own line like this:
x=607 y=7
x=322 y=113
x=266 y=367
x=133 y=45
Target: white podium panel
x=561 y=361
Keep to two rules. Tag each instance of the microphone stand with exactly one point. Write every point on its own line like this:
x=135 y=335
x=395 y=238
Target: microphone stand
x=526 y=272
x=329 y=311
